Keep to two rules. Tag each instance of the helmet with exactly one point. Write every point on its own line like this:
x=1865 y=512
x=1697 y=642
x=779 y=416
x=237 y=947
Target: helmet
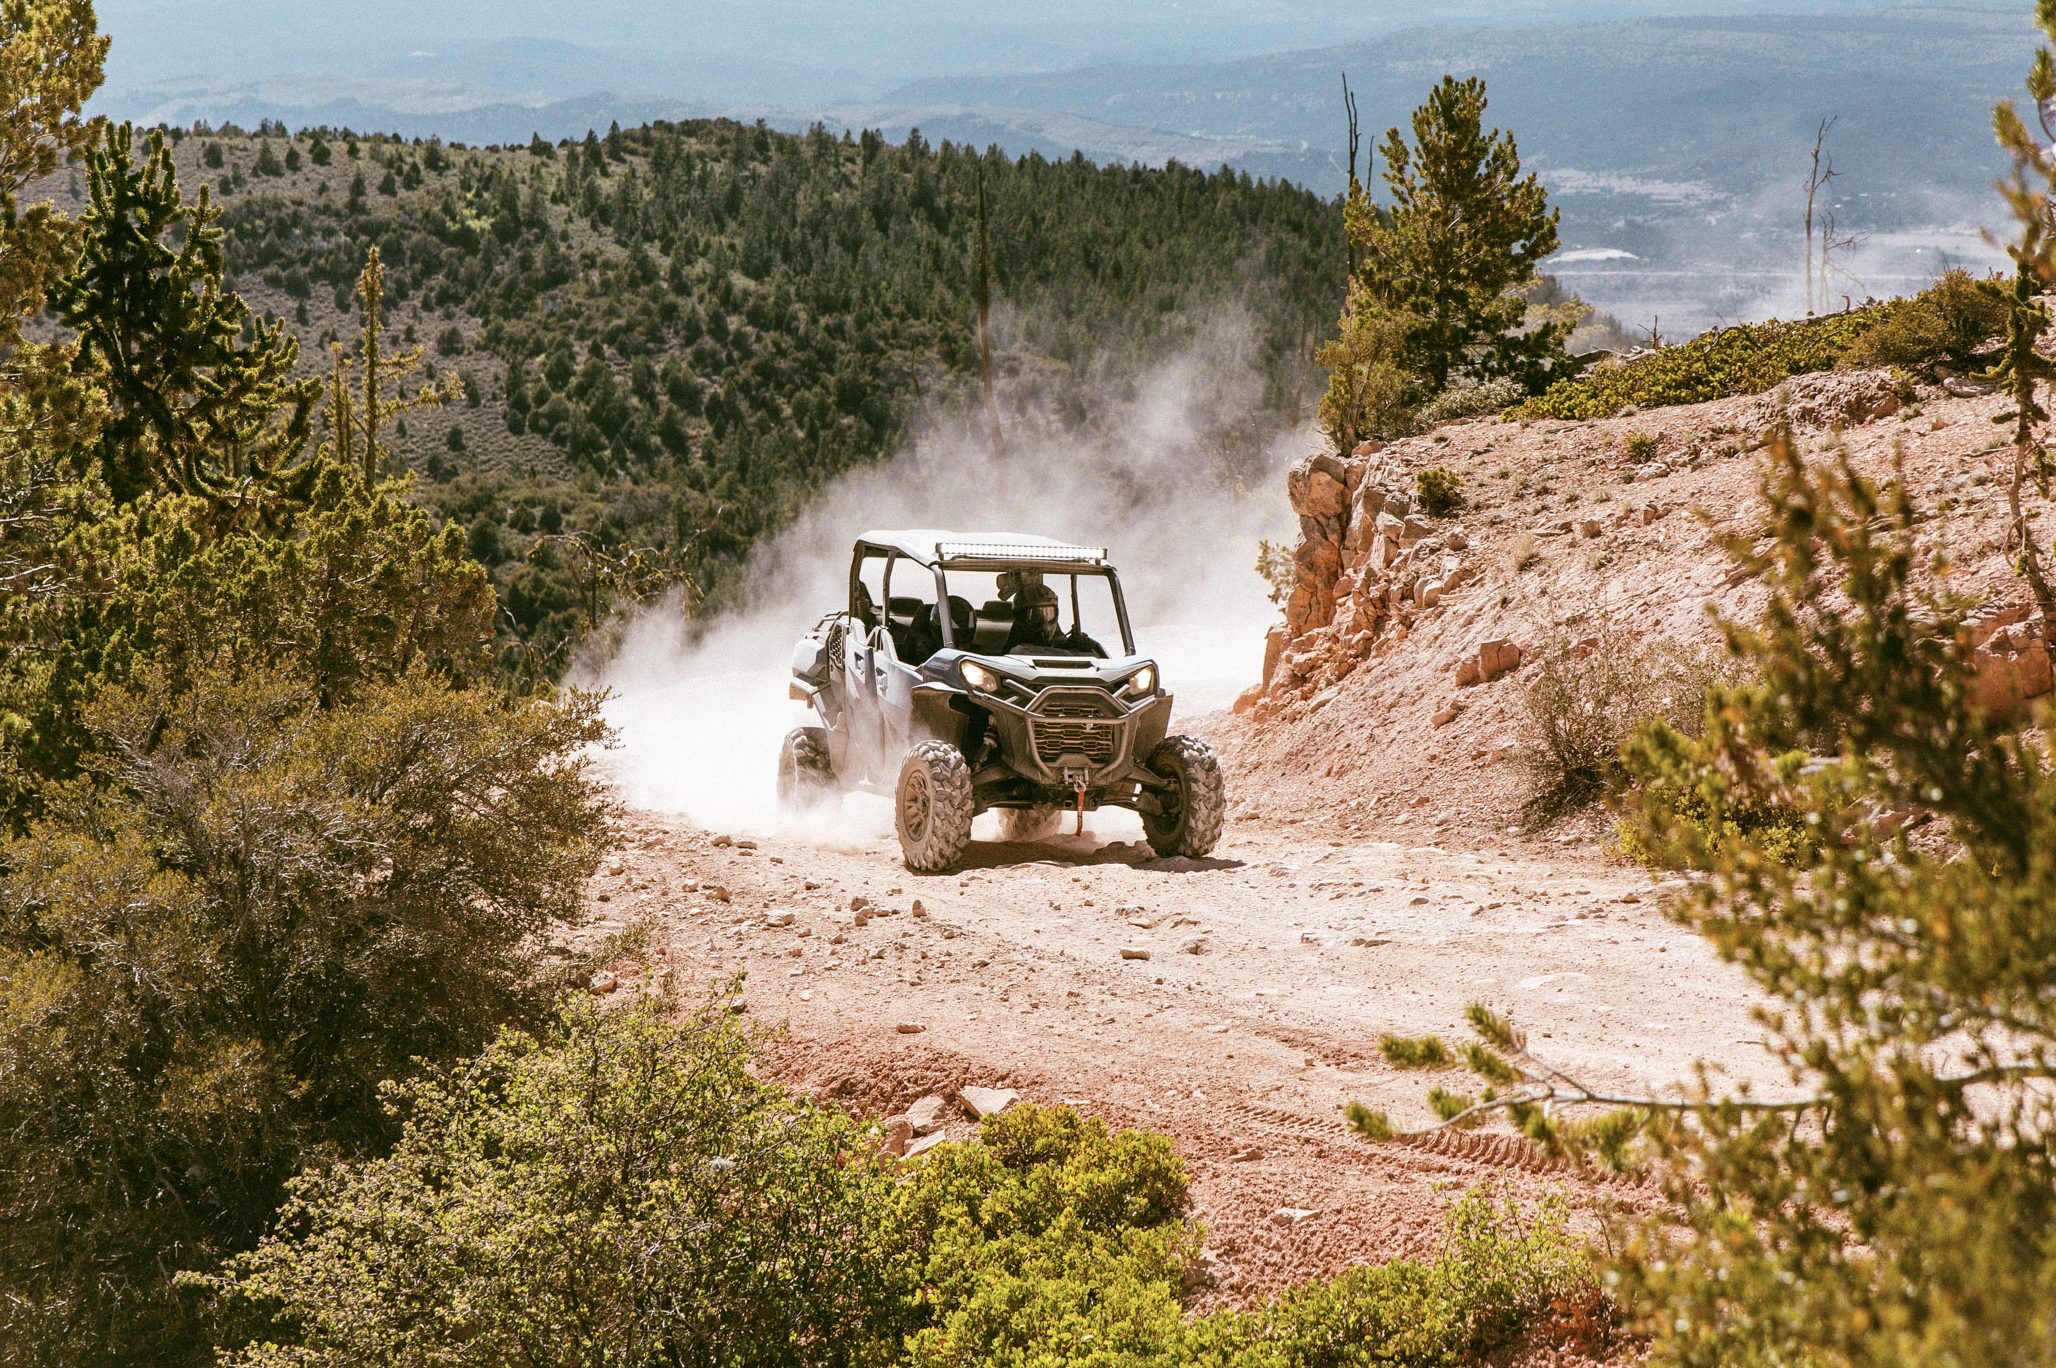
x=1037 y=604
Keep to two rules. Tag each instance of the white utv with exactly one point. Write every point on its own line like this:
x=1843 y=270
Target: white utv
x=950 y=683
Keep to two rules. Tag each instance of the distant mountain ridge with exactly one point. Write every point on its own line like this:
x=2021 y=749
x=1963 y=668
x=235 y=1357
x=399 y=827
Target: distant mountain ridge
x=1674 y=144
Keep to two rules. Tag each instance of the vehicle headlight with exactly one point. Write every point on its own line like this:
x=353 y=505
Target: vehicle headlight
x=1142 y=681
x=978 y=677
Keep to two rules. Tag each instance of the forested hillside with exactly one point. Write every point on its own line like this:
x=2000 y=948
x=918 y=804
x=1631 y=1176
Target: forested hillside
x=664 y=339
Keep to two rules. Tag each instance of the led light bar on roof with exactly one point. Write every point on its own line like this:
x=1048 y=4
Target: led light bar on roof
x=1012 y=551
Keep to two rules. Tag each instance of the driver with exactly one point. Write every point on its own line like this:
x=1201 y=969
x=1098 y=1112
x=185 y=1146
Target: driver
x=1035 y=626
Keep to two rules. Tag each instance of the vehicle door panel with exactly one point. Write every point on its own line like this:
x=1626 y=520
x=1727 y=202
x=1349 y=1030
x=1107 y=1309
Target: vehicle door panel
x=894 y=683
x=866 y=742
x=866 y=723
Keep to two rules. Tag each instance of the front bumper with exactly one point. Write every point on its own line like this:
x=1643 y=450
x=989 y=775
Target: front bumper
x=1064 y=733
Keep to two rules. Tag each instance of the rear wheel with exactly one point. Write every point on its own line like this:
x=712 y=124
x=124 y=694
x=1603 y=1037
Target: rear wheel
x=805 y=777
x=1193 y=803
x=934 y=808
x=1028 y=824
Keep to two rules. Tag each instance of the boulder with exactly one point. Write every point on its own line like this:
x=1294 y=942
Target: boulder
x=926 y=1115
x=1992 y=619
x=2013 y=669
x=1491 y=660
x=983 y=1102
x=1316 y=562
x=1825 y=399
x=1324 y=496
x=921 y=1146
x=1496 y=658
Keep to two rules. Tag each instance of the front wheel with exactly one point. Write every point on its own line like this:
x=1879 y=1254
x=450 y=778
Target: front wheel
x=805 y=776
x=934 y=808
x=1193 y=802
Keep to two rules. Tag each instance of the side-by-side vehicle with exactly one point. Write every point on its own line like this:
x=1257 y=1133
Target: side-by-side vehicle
x=992 y=671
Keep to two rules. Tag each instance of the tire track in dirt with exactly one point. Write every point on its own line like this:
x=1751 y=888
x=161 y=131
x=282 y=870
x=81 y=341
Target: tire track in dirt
x=1270 y=973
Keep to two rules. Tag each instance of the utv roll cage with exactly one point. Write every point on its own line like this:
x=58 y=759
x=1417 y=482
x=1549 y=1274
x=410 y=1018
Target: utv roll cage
x=938 y=553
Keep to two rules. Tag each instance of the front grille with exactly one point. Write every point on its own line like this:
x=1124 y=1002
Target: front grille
x=1093 y=740
x=1094 y=703
x=1070 y=708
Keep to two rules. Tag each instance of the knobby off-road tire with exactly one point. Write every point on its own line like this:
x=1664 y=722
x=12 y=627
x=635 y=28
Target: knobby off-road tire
x=805 y=777
x=1193 y=808
x=1028 y=824
x=934 y=808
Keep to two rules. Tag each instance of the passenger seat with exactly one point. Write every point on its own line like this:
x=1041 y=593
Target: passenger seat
x=995 y=625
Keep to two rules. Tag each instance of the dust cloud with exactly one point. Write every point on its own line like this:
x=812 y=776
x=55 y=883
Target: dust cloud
x=701 y=707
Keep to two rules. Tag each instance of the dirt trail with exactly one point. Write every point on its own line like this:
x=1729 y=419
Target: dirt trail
x=1271 y=971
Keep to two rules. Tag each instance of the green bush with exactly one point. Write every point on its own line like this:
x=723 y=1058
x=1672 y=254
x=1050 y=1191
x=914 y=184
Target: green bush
x=1587 y=699
x=1639 y=446
x=626 y=1176
x=1904 y=986
x=1681 y=828
x=1501 y=1277
x=1440 y=491
x=1947 y=321
x=1746 y=359
x=618 y=1191
x=1050 y=1241
x=1467 y=397
x=214 y=952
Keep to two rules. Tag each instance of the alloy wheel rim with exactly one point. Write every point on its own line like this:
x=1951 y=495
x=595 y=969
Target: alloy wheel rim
x=917 y=806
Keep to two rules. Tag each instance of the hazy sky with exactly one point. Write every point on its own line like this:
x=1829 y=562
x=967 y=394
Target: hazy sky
x=789 y=50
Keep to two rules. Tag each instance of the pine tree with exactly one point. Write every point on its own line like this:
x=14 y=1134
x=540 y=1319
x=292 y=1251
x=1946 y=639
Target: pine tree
x=50 y=60
x=353 y=423
x=1462 y=240
x=194 y=408
x=2030 y=192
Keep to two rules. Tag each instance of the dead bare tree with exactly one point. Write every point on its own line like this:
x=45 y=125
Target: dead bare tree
x=1355 y=142
x=1833 y=240
x=1820 y=173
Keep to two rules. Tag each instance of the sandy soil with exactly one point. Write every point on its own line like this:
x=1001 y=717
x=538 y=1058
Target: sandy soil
x=1270 y=972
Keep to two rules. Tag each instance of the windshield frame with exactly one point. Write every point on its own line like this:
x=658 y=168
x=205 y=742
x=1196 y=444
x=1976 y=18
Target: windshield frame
x=1049 y=570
